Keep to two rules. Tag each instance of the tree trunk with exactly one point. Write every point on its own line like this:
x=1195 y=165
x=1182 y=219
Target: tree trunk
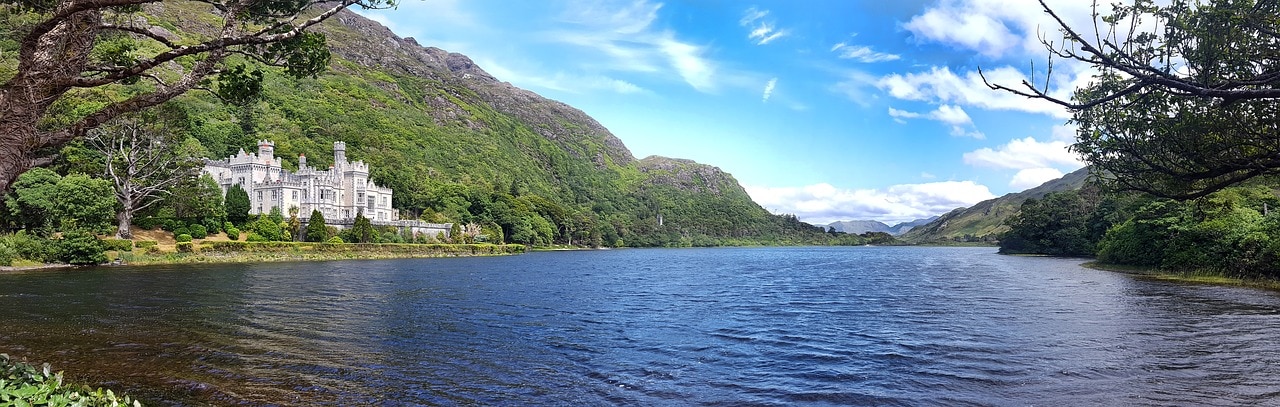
x=124 y=220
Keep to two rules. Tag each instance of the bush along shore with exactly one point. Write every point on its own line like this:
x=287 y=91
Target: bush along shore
x=22 y=384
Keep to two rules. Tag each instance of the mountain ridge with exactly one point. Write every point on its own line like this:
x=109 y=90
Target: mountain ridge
x=984 y=221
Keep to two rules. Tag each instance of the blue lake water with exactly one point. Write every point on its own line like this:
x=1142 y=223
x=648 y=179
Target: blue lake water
x=733 y=327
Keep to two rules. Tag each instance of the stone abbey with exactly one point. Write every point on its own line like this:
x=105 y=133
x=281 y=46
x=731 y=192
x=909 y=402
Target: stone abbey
x=339 y=193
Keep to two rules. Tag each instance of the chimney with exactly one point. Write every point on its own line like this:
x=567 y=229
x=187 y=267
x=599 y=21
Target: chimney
x=302 y=161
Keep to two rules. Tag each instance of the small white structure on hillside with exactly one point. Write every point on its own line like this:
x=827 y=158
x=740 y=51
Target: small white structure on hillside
x=339 y=193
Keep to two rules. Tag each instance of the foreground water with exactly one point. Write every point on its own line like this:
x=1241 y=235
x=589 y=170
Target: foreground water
x=768 y=326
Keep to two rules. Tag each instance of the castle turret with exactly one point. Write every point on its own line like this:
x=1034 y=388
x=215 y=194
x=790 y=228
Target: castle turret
x=339 y=152
x=302 y=161
x=266 y=150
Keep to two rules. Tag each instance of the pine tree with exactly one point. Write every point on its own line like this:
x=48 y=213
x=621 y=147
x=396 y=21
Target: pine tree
x=237 y=204
x=362 y=229
x=316 y=232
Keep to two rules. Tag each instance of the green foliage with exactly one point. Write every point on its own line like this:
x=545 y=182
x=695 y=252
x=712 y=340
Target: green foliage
x=185 y=247
x=81 y=247
x=233 y=233
x=362 y=230
x=255 y=237
x=123 y=245
x=335 y=240
x=198 y=231
x=181 y=230
x=276 y=215
x=143 y=244
x=182 y=238
x=237 y=204
x=31 y=204
x=1056 y=225
x=316 y=230
x=455 y=233
x=266 y=228
x=199 y=201
x=24 y=385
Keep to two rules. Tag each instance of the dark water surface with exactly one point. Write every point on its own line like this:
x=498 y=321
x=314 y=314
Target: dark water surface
x=758 y=326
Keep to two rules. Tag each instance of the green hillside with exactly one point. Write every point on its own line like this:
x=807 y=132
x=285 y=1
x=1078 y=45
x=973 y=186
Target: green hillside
x=985 y=220
x=457 y=145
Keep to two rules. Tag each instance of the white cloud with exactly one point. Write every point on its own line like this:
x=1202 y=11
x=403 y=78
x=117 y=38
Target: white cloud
x=1026 y=153
x=856 y=87
x=997 y=28
x=954 y=116
x=624 y=35
x=824 y=203
x=762 y=32
x=862 y=53
x=1033 y=177
x=768 y=89
x=940 y=85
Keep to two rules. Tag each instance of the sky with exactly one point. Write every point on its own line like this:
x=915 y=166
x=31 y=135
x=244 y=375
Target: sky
x=828 y=110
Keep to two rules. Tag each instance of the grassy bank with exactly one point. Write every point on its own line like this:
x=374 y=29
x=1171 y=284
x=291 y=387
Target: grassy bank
x=1194 y=277
x=245 y=252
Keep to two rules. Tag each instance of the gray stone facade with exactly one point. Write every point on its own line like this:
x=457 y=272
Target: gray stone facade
x=339 y=192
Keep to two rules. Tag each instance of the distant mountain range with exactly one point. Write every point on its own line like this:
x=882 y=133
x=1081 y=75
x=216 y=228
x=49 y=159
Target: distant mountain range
x=984 y=221
x=858 y=227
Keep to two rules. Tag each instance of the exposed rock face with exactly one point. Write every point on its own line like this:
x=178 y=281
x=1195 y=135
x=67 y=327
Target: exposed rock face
x=689 y=176
x=370 y=44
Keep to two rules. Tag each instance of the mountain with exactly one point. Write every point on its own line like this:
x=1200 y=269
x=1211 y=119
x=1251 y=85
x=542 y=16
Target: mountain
x=904 y=227
x=456 y=144
x=984 y=221
x=858 y=227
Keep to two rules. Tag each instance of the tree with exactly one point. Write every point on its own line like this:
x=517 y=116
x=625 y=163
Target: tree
x=237 y=204
x=295 y=225
x=1185 y=109
x=362 y=230
x=30 y=204
x=455 y=233
x=88 y=44
x=83 y=202
x=316 y=232
x=142 y=164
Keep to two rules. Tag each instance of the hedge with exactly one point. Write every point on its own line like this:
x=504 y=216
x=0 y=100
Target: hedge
x=401 y=248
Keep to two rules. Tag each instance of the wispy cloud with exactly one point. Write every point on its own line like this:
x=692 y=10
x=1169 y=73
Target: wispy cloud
x=768 y=89
x=954 y=116
x=624 y=35
x=561 y=81
x=762 y=31
x=823 y=203
x=862 y=53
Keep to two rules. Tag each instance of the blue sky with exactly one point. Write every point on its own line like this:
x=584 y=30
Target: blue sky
x=830 y=110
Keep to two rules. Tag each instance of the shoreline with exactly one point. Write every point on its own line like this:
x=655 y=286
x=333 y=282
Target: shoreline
x=1205 y=278
x=272 y=252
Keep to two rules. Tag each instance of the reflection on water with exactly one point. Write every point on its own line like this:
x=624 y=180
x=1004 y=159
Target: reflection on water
x=760 y=326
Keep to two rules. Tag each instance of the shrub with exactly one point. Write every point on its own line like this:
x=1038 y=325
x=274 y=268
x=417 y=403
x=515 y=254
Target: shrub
x=186 y=247
x=183 y=238
x=227 y=226
x=147 y=222
x=81 y=248
x=255 y=237
x=143 y=244
x=335 y=240
x=233 y=233
x=26 y=385
x=122 y=245
x=198 y=231
x=7 y=253
x=182 y=230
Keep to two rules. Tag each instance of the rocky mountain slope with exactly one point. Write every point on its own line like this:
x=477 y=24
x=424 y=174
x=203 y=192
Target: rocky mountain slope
x=984 y=221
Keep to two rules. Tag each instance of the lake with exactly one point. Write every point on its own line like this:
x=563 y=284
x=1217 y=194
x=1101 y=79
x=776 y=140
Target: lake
x=732 y=327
